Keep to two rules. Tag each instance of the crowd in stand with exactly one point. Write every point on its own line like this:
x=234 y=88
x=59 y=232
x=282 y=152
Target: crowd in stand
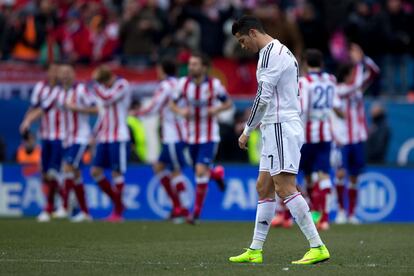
x=138 y=32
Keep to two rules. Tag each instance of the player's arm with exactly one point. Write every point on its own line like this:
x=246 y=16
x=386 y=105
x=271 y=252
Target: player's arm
x=176 y=97
x=159 y=99
x=115 y=94
x=32 y=115
x=87 y=105
x=263 y=97
x=372 y=72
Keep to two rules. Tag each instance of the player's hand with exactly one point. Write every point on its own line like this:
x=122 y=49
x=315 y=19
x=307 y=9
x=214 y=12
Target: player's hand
x=185 y=112
x=212 y=111
x=70 y=106
x=24 y=126
x=243 y=141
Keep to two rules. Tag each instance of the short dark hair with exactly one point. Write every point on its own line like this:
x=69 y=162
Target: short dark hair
x=169 y=66
x=205 y=60
x=244 y=24
x=343 y=70
x=313 y=58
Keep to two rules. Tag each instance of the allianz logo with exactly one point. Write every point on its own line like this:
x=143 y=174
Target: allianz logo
x=377 y=197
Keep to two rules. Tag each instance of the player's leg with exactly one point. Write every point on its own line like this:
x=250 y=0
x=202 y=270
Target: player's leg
x=323 y=167
x=356 y=167
x=73 y=162
x=47 y=187
x=79 y=189
x=288 y=139
x=203 y=154
x=54 y=177
x=266 y=207
x=342 y=158
x=99 y=163
x=118 y=160
x=285 y=186
x=162 y=169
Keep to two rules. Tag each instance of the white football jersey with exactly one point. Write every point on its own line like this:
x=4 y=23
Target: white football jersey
x=277 y=76
x=318 y=97
x=113 y=104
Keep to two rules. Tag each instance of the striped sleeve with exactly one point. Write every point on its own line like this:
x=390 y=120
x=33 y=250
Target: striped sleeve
x=36 y=94
x=263 y=97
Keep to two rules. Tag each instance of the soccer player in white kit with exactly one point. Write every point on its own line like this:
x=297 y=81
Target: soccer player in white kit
x=319 y=98
x=203 y=99
x=277 y=108
x=171 y=160
x=112 y=96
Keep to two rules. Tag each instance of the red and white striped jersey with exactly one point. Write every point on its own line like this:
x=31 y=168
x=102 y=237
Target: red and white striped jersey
x=52 y=122
x=113 y=104
x=200 y=126
x=354 y=127
x=318 y=97
x=172 y=126
x=78 y=130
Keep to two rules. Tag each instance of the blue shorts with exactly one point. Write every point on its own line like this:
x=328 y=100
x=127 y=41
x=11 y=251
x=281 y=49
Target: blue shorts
x=203 y=153
x=172 y=155
x=315 y=158
x=52 y=153
x=111 y=156
x=73 y=155
x=353 y=159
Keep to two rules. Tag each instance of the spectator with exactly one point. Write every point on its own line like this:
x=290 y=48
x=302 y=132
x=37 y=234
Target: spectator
x=104 y=39
x=398 y=63
x=211 y=20
x=77 y=41
x=28 y=155
x=312 y=29
x=379 y=135
x=277 y=25
x=139 y=31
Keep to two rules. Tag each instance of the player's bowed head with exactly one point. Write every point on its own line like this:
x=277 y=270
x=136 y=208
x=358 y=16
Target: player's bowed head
x=103 y=75
x=250 y=33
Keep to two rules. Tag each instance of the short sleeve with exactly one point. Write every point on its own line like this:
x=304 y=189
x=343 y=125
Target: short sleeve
x=35 y=100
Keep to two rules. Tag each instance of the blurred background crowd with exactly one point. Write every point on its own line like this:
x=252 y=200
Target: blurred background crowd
x=138 y=32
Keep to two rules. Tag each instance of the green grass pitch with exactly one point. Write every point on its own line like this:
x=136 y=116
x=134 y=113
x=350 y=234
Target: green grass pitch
x=162 y=248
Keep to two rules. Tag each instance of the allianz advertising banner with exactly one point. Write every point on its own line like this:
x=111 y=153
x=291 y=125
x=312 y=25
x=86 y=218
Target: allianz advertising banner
x=385 y=194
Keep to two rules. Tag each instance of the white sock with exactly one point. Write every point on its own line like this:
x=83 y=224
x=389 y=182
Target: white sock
x=264 y=215
x=301 y=212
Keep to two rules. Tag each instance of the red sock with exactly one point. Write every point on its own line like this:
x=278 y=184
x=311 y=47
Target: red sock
x=324 y=204
x=80 y=196
x=106 y=187
x=201 y=192
x=119 y=206
x=68 y=186
x=166 y=183
x=286 y=214
x=340 y=191
x=316 y=197
x=352 y=193
x=52 y=189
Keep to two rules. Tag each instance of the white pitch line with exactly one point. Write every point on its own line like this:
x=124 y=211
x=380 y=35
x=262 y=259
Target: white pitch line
x=371 y=265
